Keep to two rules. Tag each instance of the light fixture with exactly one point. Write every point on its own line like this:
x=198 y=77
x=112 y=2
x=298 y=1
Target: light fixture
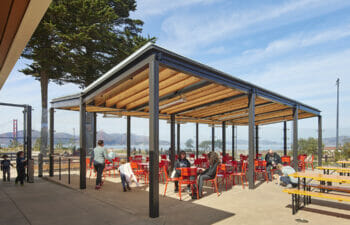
x=105 y=115
x=234 y=116
x=181 y=100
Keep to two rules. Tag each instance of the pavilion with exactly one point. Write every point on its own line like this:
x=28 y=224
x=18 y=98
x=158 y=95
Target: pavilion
x=159 y=84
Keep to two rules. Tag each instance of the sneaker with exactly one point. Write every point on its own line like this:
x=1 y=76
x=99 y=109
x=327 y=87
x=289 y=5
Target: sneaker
x=97 y=187
x=176 y=190
x=128 y=188
x=102 y=183
x=289 y=186
x=124 y=189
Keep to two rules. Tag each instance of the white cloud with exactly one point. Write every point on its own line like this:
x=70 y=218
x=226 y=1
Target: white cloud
x=188 y=32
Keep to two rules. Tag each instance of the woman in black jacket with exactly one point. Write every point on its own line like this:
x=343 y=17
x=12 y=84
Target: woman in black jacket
x=209 y=173
x=21 y=164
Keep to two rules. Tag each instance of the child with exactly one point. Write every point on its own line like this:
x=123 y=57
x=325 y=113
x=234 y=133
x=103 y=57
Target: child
x=126 y=175
x=20 y=166
x=5 y=167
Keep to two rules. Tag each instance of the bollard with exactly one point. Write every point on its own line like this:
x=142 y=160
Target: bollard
x=51 y=169
x=59 y=168
x=69 y=171
x=40 y=165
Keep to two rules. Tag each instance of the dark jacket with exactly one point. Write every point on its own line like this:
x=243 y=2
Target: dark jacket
x=272 y=158
x=20 y=163
x=211 y=171
x=5 y=164
x=181 y=163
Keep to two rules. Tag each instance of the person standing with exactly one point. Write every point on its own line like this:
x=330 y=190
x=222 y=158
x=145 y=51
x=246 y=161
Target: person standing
x=272 y=160
x=21 y=164
x=6 y=167
x=99 y=156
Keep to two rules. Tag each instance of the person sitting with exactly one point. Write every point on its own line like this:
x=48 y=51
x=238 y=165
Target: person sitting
x=126 y=175
x=272 y=159
x=181 y=162
x=207 y=174
x=285 y=178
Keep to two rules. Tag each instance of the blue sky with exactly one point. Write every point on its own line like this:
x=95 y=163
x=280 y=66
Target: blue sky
x=296 y=48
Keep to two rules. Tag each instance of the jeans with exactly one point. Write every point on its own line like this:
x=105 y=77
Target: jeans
x=99 y=170
x=6 y=171
x=124 y=181
x=286 y=180
x=269 y=167
x=201 y=180
x=21 y=173
x=177 y=175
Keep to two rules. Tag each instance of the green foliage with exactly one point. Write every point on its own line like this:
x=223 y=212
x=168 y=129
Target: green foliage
x=308 y=146
x=205 y=145
x=346 y=150
x=37 y=144
x=189 y=143
x=79 y=40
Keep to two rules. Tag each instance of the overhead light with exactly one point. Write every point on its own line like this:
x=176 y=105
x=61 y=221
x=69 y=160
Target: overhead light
x=105 y=115
x=233 y=116
x=181 y=100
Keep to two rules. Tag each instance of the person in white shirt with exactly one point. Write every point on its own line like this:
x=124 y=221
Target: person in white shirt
x=126 y=175
x=285 y=178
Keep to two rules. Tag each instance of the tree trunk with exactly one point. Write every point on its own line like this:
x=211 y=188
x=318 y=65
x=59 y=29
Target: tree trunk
x=44 y=81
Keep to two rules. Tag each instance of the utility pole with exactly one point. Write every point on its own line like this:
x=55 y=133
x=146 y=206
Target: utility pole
x=337 y=129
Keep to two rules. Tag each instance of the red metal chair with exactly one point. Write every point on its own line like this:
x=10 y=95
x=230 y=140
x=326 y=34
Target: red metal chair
x=214 y=181
x=286 y=160
x=108 y=167
x=163 y=157
x=115 y=164
x=301 y=162
x=224 y=173
x=139 y=173
x=310 y=162
x=168 y=179
x=242 y=174
x=188 y=177
x=198 y=162
x=260 y=169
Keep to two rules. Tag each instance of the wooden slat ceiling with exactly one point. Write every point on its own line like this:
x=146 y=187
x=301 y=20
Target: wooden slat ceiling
x=189 y=98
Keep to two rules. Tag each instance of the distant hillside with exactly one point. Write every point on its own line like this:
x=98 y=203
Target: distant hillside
x=332 y=140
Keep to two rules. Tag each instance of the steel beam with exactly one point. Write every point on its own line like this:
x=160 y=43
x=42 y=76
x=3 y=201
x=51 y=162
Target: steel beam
x=29 y=132
x=233 y=142
x=52 y=140
x=82 y=183
x=223 y=141
x=178 y=139
x=213 y=138
x=285 y=137
x=295 y=138
x=257 y=139
x=320 y=141
x=251 y=134
x=172 y=141
x=128 y=137
x=197 y=140
x=94 y=131
x=153 y=138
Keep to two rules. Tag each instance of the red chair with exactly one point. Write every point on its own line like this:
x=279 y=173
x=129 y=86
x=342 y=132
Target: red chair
x=286 y=160
x=242 y=174
x=139 y=173
x=115 y=164
x=224 y=173
x=108 y=167
x=188 y=177
x=260 y=169
x=301 y=162
x=310 y=162
x=163 y=157
x=214 y=181
x=259 y=156
x=192 y=156
x=168 y=179
x=198 y=162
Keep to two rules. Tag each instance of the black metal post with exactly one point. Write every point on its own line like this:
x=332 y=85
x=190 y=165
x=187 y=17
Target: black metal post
x=52 y=140
x=29 y=132
x=59 y=168
x=25 y=131
x=82 y=143
x=178 y=139
x=233 y=142
x=251 y=134
x=223 y=141
x=172 y=141
x=319 y=141
x=128 y=137
x=213 y=138
x=69 y=171
x=153 y=138
x=94 y=134
x=285 y=138
x=197 y=140
x=257 y=139
x=295 y=138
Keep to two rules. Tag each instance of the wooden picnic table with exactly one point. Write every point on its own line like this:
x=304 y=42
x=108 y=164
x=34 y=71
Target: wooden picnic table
x=321 y=177
x=340 y=170
x=343 y=163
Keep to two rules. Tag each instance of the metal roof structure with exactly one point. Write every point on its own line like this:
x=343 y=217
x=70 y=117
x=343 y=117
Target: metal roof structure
x=192 y=91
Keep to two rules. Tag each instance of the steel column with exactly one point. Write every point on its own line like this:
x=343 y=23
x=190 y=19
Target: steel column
x=233 y=142
x=153 y=138
x=197 y=140
x=213 y=138
x=251 y=133
x=178 y=139
x=29 y=132
x=82 y=144
x=319 y=141
x=52 y=140
x=128 y=137
x=172 y=141
x=295 y=138
x=285 y=138
x=94 y=131
x=223 y=141
x=257 y=139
